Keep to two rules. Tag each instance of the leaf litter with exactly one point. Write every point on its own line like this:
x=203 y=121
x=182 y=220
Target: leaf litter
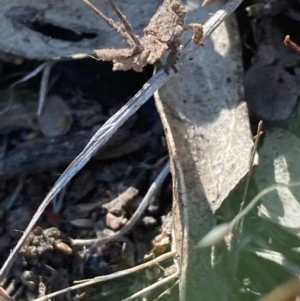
x=103 y=180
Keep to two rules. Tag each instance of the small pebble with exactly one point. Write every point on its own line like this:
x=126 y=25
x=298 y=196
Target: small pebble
x=149 y=221
x=115 y=222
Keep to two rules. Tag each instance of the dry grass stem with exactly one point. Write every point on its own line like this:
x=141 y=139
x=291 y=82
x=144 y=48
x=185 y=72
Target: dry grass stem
x=167 y=291
x=98 y=279
x=152 y=287
x=254 y=150
x=136 y=216
x=30 y=75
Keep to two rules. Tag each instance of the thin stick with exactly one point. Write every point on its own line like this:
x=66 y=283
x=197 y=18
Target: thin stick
x=28 y=76
x=167 y=291
x=152 y=287
x=254 y=149
x=115 y=122
x=125 y=23
x=255 y=146
x=136 y=216
x=109 y=277
x=109 y=21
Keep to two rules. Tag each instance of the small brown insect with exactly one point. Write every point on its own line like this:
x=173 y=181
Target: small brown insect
x=162 y=33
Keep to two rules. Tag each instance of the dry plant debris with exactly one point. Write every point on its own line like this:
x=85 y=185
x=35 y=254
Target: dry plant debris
x=97 y=141
x=162 y=33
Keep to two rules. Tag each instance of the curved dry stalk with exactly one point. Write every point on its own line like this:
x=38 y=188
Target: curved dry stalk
x=115 y=122
x=30 y=75
x=98 y=279
x=136 y=216
x=152 y=287
x=218 y=233
x=251 y=163
x=167 y=291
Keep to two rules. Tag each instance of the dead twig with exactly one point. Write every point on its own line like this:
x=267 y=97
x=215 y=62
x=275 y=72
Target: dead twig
x=30 y=75
x=152 y=287
x=138 y=213
x=88 y=282
x=109 y=21
x=167 y=291
x=117 y=204
x=115 y=122
x=255 y=146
